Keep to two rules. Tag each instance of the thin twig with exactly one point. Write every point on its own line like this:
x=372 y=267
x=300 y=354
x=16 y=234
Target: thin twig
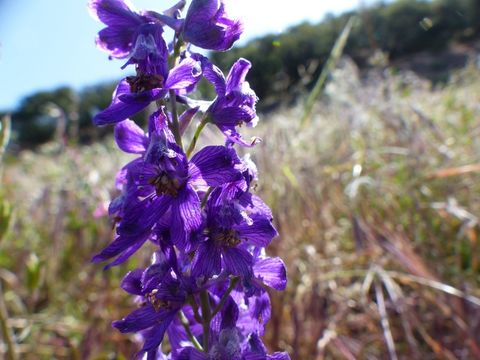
x=387 y=333
x=7 y=335
x=186 y=326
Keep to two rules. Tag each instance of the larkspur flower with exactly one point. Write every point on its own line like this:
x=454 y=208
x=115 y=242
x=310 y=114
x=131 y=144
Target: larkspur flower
x=206 y=25
x=206 y=286
x=161 y=185
x=118 y=38
x=229 y=230
x=135 y=94
x=235 y=101
x=162 y=296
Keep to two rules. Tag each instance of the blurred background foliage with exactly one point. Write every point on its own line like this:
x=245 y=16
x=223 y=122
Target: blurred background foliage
x=286 y=65
x=377 y=199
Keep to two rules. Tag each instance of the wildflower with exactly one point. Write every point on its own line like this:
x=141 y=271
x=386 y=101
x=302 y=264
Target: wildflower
x=134 y=95
x=162 y=296
x=208 y=26
x=161 y=187
x=235 y=102
x=228 y=233
x=205 y=288
x=118 y=38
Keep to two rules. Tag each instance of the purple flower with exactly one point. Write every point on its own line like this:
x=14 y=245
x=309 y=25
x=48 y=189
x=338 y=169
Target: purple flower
x=209 y=27
x=206 y=286
x=235 y=102
x=255 y=350
x=229 y=231
x=160 y=191
x=162 y=296
x=134 y=94
x=118 y=38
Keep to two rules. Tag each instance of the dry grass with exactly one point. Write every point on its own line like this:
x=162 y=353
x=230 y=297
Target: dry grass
x=377 y=204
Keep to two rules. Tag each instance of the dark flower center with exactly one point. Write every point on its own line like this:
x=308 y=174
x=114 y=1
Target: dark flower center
x=164 y=184
x=143 y=82
x=157 y=303
x=226 y=237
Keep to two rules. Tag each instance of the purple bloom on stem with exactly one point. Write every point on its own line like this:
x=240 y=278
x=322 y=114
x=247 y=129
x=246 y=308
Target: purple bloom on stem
x=160 y=192
x=118 y=38
x=229 y=231
x=255 y=350
x=134 y=94
x=235 y=102
x=163 y=297
x=208 y=26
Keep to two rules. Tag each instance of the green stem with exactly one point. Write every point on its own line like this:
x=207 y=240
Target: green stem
x=206 y=314
x=186 y=325
x=7 y=335
x=218 y=308
x=175 y=124
x=205 y=197
x=194 y=305
x=193 y=143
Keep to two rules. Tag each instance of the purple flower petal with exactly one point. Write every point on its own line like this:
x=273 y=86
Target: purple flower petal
x=184 y=75
x=141 y=319
x=186 y=216
x=238 y=73
x=214 y=166
x=132 y=282
x=120 y=110
x=154 y=336
x=214 y=75
x=130 y=137
x=207 y=26
x=185 y=119
x=207 y=261
x=119 y=245
x=118 y=37
x=233 y=115
x=190 y=353
x=259 y=233
x=272 y=272
x=238 y=262
x=113 y=12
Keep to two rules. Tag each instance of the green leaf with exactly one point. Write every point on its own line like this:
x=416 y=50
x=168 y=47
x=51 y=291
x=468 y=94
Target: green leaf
x=5 y=218
x=34 y=267
x=5 y=131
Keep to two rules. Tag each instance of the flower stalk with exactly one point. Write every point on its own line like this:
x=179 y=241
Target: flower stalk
x=209 y=270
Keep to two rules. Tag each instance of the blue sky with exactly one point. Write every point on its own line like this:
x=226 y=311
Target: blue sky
x=45 y=44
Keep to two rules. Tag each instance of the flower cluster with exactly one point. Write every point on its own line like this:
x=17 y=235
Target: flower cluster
x=206 y=286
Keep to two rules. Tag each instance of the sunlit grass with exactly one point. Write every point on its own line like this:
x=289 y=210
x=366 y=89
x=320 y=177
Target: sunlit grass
x=376 y=201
